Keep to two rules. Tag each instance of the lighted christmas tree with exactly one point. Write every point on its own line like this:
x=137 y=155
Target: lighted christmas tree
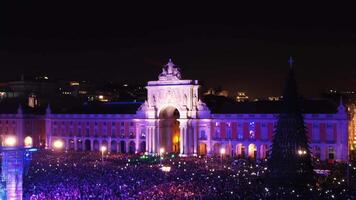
x=289 y=162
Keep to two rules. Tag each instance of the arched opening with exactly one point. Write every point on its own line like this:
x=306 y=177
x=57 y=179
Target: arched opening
x=217 y=147
x=263 y=151
x=96 y=145
x=132 y=147
x=143 y=146
x=28 y=142
x=104 y=143
x=79 y=145
x=202 y=149
x=252 y=151
x=169 y=130
x=71 y=145
x=122 y=147
x=240 y=150
x=229 y=151
x=87 y=145
x=113 y=146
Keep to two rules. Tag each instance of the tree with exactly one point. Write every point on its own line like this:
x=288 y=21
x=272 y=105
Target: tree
x=289 y=162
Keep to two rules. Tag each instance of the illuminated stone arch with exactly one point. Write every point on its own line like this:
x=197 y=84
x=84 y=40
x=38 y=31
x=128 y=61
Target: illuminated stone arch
x=171 y=91
x=113 y=146
x=252 y=151
x=96 y=145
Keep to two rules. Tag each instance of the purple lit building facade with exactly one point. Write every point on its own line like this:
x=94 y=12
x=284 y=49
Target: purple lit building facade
x=176 y=118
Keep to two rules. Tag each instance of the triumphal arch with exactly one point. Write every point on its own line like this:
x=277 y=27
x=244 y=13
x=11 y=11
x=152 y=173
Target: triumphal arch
x=173 y=114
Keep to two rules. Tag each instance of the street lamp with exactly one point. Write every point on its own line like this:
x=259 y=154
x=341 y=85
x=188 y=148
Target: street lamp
x=161 y=153
x=58 y=144
x=222 y=153
x=10 y=141
x=302 y=152
x=102 y=149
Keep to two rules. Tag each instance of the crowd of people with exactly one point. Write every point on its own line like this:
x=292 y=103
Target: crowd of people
x=86 y=176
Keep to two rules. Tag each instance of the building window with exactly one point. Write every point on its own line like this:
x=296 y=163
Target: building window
x=143 y=134
x=202 y=135
x=329 y=133
x=104 y=132
x=331 y=153
x=79 y=132
x=131 y=123
x=251 y=130
x=132 y=134
x=113 y=132
x=87 y=132
x=229 y=133
x=240 y=135
x=122 y=124
x=217 y=134
x=315 y=133
x=122 y=133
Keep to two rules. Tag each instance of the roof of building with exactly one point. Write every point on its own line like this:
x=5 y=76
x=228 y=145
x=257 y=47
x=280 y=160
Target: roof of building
x=101 y=108
x=68 y=106
x=223 y=105
x=217 y=105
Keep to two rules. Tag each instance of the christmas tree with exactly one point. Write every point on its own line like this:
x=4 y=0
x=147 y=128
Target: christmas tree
x=289 y=162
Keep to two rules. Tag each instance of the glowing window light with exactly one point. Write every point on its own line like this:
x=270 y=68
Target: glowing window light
x=58 y=144
x=28 y=142
x=10 y=141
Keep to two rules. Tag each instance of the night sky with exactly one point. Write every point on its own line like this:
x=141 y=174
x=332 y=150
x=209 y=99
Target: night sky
x=240 y=47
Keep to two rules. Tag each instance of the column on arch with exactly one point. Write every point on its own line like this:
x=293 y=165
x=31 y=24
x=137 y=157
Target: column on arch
x=195 y=131
x=183 y=137
x=137 y=137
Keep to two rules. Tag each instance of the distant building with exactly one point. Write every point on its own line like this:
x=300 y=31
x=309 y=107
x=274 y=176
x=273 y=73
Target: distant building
x=41 y=87
x=241 y=97
x=274 y=98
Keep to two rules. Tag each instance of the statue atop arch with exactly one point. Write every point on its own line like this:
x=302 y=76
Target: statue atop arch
x=170 y=72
